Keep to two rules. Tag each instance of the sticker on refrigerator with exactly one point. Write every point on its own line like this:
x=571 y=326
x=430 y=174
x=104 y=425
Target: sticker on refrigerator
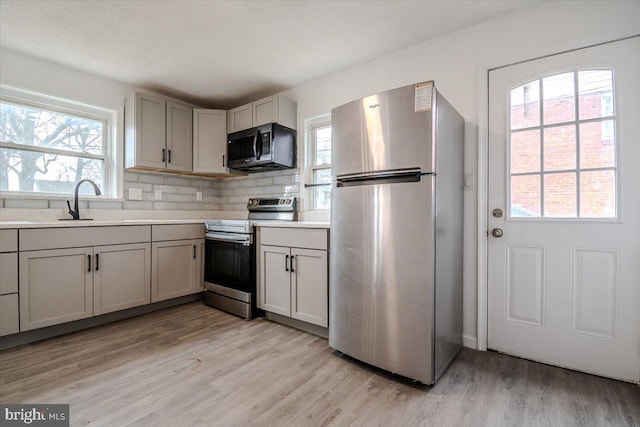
x=423 y=97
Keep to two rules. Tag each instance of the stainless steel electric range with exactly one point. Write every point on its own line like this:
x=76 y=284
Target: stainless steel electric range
x=230 y=256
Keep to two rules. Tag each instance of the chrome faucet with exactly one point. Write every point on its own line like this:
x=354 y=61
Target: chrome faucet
x=75 y=213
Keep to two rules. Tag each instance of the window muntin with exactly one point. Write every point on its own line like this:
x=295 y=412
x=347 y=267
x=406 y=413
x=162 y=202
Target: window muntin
x=562 y=161
x=48 y=144
x=319 y=165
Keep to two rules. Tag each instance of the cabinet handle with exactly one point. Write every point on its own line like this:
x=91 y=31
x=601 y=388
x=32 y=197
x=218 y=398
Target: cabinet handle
x=194 y=251
x=169 y=156
x=292 y=257
x=223 y=160
x=97 y=262
x=163 y=158
x=89 y=263
x=286 y=263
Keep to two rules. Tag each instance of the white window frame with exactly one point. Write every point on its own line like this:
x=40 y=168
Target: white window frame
x=112 y=119
x=310 y=154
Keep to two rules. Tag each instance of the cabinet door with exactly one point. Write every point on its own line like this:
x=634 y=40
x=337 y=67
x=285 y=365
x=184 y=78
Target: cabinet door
x=122 y=277
x=179 y=137
x=55 y=286
x=174 y=269
x=265 y=111
x=9 y=318
x=274 y=280
x=209 y=141
x=150 y=123
x=8 y=273
x=310 y=286
x=240 y=118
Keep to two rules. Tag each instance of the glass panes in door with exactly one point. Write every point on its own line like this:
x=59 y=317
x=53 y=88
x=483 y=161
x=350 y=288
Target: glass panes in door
x=562 y=161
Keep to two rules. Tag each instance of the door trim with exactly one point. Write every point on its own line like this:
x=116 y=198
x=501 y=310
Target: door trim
x=483 y=187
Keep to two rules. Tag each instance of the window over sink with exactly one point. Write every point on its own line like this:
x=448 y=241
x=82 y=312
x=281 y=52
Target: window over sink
x=47 y=144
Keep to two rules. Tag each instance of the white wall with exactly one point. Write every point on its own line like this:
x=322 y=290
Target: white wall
x=458 y=64
x=46 y=77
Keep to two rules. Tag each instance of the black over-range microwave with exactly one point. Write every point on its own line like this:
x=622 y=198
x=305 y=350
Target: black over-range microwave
x=267 y=147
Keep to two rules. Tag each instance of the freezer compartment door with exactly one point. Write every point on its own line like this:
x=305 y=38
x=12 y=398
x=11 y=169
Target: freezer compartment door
x=381 y=275
x=381 y=132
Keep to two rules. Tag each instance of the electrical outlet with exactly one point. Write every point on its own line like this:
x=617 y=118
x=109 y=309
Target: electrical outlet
x=158 y=194
x=135 y=193
x=199 y=196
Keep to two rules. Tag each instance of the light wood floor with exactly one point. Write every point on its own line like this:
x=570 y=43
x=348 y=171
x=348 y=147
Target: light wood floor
x=193 y=365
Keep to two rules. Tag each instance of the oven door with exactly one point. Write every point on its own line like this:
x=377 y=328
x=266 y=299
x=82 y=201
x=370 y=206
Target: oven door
x=230 y=264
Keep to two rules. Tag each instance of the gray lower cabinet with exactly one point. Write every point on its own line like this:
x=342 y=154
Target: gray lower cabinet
x=56 y=286
x=177 y=268
x=9 y=314
x=69 y=274
x=122 y=277
x=275 y=280
x=293 y=274
x=9 y=311
x=62 y=285
x=177 y=255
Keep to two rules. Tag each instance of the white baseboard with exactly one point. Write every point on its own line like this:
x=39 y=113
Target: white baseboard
x=469 y=341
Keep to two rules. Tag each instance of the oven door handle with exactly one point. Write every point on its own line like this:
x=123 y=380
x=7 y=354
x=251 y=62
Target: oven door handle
x=245 y=239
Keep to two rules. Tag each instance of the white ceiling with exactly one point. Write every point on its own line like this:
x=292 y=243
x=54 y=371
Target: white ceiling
x=224 y=53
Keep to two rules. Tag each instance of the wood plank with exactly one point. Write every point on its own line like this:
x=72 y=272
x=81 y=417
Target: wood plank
x=194 y=365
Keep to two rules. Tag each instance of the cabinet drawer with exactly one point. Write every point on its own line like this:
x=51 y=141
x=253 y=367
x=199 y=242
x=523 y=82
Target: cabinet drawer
x=54 y=238
x=8 y=273
x=8 y=240
x=177 y=232
x=312 y=238
x=9 y=319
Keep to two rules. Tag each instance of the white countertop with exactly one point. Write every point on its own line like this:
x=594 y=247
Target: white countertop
x=101 y=223
x=94 y=223
x=292 y=224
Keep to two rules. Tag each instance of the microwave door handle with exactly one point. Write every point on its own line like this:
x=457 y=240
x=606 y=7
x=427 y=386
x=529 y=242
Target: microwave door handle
x=255 y=141
x=259 y=149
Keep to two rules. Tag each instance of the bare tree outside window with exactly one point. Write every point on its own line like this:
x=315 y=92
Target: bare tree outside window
x=44 y=151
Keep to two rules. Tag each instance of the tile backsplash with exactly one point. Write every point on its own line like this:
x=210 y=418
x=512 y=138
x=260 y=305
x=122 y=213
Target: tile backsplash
x=234 y=192
x=179 y=192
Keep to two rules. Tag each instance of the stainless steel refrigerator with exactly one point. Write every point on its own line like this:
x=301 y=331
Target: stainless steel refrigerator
x=396 y=231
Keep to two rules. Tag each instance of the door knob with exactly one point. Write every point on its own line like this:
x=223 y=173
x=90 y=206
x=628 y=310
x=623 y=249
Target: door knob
x=497 y=232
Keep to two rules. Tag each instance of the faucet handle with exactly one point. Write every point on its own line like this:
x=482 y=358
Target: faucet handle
x=73 y=213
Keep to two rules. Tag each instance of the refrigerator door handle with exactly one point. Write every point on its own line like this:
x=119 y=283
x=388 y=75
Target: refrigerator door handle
x=383 y=178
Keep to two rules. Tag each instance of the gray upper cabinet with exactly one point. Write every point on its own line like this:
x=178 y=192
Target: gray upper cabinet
x=240 y=118
x=210 y=141
x=158 y=134
x=179 y=137
x=272 y=109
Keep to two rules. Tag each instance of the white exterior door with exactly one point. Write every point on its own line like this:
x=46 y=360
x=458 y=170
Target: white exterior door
x=564 y=262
